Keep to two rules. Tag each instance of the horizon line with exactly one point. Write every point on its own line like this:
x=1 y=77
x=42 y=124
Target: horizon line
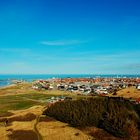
x=67 y=74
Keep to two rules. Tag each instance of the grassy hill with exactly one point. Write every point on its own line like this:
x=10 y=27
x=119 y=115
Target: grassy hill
x=130 y=92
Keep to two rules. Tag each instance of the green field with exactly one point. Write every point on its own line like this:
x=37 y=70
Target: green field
x=22 y=96
x=14 y=103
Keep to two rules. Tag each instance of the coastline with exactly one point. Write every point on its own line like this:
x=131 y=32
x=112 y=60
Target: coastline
x=31 y=77
x=7 y=86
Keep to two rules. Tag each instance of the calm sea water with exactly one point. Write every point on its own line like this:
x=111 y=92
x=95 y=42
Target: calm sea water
x=6 y=79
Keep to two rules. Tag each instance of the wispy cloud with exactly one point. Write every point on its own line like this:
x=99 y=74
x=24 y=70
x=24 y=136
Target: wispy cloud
x=133 y=66
x=14 y=50
x=62 y=42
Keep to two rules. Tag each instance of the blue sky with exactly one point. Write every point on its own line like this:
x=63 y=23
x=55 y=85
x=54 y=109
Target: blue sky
x=70 y=36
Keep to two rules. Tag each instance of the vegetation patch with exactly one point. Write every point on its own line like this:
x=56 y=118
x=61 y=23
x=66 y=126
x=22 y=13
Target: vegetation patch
x=6 y=114
x=27 y=117
x=100 y=134
x=46 y=119
x=12 y=102
x=23 y=135
x=115 y=115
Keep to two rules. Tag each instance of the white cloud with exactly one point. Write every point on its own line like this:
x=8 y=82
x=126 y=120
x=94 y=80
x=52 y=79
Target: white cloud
x=62 y=42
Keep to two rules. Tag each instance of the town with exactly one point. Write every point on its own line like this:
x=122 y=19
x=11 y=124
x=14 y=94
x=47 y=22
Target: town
x=87 y=86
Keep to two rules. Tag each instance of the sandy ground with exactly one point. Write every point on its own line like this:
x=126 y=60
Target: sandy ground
x=8 y=86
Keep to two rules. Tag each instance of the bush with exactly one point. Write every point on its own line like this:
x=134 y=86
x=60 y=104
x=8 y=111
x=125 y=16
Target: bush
x=115 y=115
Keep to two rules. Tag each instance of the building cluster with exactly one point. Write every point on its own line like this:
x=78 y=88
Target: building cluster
x=42 y=84
x=53 y=100
x=86 y=86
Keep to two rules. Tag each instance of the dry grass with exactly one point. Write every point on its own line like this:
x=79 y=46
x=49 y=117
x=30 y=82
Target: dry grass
x=15 y=89
x=49 y=128
x=55 y=130
x=3 y=134
x=21 y=120
x=37 y=110
x=130 y=92
x=15 y=126
x=26 y=88
x=99 y=134
x=26 y=125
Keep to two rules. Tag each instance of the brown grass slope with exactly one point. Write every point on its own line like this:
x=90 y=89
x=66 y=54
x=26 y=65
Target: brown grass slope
x=130 y=92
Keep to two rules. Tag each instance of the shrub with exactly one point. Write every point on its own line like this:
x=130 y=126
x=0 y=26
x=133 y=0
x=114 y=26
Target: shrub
x=115 y=115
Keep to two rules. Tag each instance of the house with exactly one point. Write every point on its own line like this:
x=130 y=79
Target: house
x=61 y=87
x=138 y=86
x=51 y=87
x=35 y=87
x=101 y=90
x=138 y=101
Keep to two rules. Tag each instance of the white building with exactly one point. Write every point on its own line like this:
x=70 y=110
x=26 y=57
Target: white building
x=138 y=86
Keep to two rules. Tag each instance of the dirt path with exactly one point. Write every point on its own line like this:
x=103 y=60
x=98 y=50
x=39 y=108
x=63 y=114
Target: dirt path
x=36 y=130
x=26 y=125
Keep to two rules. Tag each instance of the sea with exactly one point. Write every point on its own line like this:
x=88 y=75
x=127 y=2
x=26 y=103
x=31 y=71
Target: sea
x=6 y=80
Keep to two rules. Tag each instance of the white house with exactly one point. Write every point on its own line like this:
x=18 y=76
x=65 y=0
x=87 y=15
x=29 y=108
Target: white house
x=138 y=87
